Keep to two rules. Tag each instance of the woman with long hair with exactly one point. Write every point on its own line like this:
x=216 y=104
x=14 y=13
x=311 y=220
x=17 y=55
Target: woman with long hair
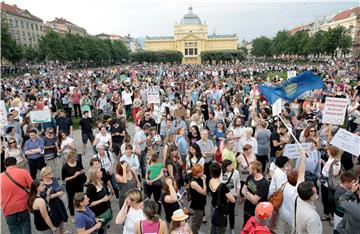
x=65 y=144
x=152 y=223
x=58 y=210
x=103 y=137
x=194 y=134
x=311 y=132
x=169 y=198
x=154 y=174
x=13 y=150
x=126 y=179
x=73 y=175
x=98 y=194
x=194 y=157
x=169 y=141
x=39 y=207
x=173 y=165
x=131 y=212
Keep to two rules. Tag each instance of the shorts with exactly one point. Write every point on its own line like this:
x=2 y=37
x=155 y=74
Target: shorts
x=87 y=136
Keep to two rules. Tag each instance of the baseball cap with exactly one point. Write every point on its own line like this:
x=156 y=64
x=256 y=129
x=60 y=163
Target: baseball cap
x=264 y=210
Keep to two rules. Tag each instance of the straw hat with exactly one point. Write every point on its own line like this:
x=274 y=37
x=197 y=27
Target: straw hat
x=179 y=215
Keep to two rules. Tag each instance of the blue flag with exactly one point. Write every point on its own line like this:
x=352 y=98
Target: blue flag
x=293 y=87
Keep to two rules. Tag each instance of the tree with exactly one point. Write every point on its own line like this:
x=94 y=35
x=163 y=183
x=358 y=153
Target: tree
x=280 y=43
x=51 y=46
x=10 y=50
x=262 y=47
x=315 y=44
x=164 y=56
x=229 y=56
x=31 y=54
x=337 y=38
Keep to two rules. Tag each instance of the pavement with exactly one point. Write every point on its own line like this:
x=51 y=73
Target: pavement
x=205 y=228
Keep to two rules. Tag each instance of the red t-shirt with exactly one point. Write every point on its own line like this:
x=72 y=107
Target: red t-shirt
x=253 y=227
x=13 y=198
x=76 y=98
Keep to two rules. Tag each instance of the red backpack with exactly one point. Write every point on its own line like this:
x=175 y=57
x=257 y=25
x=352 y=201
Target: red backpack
x=253 y=227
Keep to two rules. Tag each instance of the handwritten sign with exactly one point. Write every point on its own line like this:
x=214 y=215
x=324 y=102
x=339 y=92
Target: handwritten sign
x=293 y=150
x=334 y=111
x=347 y=141
x=41 y=116
x=153 y=94
x=3 y=113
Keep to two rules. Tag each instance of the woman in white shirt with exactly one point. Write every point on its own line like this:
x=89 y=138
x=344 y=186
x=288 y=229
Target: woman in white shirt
x=248 y=139
x=14 y=151
x=194 y=157
x=131 y=159
x=65 y=144
x=103 y=137
x=131 y=211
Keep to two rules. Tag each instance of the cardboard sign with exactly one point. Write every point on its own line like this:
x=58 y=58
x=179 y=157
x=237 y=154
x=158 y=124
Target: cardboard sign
x=334 y=111
x=276 y=107
x=3 y=113
x=41 y=116
x=347 y=141
x=293 y=150
x=181 y=112
x=291 y=74
x=153 y=94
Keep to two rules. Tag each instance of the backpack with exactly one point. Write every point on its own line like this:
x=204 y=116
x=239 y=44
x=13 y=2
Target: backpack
x=252 y=227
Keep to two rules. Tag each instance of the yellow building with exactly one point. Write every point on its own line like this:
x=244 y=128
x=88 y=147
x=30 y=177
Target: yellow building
x=191 y=38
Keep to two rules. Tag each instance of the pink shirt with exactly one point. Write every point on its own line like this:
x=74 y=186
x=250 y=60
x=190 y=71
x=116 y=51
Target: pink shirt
x=76 y=97
x=150 y=228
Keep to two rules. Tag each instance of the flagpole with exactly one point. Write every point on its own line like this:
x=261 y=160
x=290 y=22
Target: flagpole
x=290 y=130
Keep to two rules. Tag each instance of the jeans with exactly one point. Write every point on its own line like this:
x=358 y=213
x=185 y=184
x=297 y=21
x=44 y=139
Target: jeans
x=196 y=220
x=77 y=110
x=19 y=223
x=115 y=185
x=34 y=165
x=142 y=161
x=128 y=110
x=217 y=230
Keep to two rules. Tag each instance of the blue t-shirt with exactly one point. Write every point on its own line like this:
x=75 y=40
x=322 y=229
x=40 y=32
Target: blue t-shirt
x=85 y=219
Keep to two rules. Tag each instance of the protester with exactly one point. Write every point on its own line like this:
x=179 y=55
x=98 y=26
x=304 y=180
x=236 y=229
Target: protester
x=15 y=183
x=33 y=149
x=126 y=179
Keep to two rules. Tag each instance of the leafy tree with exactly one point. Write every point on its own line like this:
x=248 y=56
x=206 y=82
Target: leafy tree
x=52 y=47
x=280 y=43
x=9 y=49
x=262 y=47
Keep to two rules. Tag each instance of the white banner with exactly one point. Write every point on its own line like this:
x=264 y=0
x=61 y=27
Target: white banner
x=153 y=94
x=293 y=150
x=276 y=107
x=347 y=141
x=291 y=74
x=334 y=111
x=3 y=114
x=41 y=116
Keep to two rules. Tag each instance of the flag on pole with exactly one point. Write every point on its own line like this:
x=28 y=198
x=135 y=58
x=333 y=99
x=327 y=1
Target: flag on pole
x=293 y=87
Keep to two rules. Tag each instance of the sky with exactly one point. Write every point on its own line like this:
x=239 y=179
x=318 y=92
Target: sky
x=140 y=18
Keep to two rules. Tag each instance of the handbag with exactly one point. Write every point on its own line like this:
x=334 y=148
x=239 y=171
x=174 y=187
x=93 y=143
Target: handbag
x=219 y=217
x=277 y=197
x=107 y=216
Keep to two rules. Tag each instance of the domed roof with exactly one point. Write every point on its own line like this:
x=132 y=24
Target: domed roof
x=190 y=18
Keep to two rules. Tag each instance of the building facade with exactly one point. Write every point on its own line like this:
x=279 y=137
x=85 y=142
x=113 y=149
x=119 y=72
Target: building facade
x=131 y=43
x=191 y=38
x=25 y=28
x=62 y=26
x=349 y=19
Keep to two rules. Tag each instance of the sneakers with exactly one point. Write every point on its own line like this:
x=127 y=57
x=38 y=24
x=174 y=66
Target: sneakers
x=232 y=231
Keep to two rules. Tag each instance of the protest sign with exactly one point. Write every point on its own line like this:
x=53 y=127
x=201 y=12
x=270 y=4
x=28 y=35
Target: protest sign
x=276 y=107
x=293 y=150
x=153 y=95
x=3 y=113
x=41 y=116
x=347 y=141
x=181 y=112
x=334 y=111
x=291 y=74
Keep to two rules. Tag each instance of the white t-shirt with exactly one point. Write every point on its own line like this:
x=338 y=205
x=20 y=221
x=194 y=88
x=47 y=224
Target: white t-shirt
x=234 y=184
x=133 y=162
x=194 y=161
x=252 y=141
x=287 y=205
x=126 y=97
x=277 y=180
x=68 y=140
x=104 y=139
x=132 y=217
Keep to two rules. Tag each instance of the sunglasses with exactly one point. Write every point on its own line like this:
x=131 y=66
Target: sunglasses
x=312 y=130
x=13 y=142
x=51 y=132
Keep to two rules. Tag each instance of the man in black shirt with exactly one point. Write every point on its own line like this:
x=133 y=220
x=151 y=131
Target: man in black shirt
x=147 y=119
x=255 y=190
x=117 y=134
x=276 y=144
x=64 y=123
x=86 y=129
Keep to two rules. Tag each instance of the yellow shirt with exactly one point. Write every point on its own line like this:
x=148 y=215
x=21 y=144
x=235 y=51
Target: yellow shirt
x=228 y=154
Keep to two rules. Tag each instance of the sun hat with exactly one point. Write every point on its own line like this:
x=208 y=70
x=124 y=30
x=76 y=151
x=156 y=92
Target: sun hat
x=264 y=210
x=179 y=215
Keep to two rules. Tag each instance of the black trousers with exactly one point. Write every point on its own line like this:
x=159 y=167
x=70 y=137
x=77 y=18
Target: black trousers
x=263 y=159
x=77 y=110
x=34 y=165
x=71 y=193
x=154 y=189
x=231 y=211
x=327 y=200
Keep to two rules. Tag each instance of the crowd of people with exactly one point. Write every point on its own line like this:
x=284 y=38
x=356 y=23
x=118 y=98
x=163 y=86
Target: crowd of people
x=209 y=142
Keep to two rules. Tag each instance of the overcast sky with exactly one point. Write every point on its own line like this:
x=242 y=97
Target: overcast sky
x=249 y=19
